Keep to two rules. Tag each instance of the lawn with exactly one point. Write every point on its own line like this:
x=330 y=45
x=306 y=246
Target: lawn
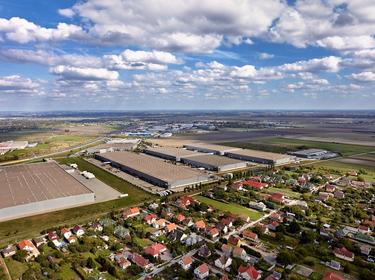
x=142 y=242
x=16 y=269
x=230 y=207
x=14 y=230
x=106 y=177
x=285 y=191
x=283 y=145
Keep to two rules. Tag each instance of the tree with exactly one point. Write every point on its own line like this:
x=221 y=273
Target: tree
x=285 y=257
x=308 y=236
x=91 y=263
x=366 y=274
x=294 y=227
x=20 y=255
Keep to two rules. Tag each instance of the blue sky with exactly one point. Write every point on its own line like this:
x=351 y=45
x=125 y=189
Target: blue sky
x=187 y=54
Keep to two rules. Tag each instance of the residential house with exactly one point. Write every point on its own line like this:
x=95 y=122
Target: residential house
x=177 y=235
x=343 y=253
x=78 y=230
x=234 y=240
x=185 y=201
x=330 y=188
x=150 y=218
x=66 y=233
x=159 y=223
x=213 y=232
x=227 y=249
x=30 y=248
x=202 y=271
x=155 y=250
x=170 y=227
x=365 y=249
x=250 y=235
x=257 y=205
x=204 y=251
x=180 y=218
x=9 y=251
x=186 y=262
x=130 y=213
x=122 y=261
x=141 y=261
x=256 y=185
x=273 y=225
x=339 y=194
x=276 y=217
x=97 y=227
x=237 y=186
x=248 y=273
x=121 y=232
x=332 y=276
x=38 y=241
x=200 y=225
x=277 y=197
x=364 y=229
x=262 y=228
x=224 y=262
x=193 y=239
x=240 y=253
x=324 y=196
x=227 y=221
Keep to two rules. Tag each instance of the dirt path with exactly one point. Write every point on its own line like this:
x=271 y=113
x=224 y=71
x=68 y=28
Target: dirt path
x=5 y=268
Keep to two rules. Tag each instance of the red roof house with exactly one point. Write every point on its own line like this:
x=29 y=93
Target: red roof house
x=248 y=273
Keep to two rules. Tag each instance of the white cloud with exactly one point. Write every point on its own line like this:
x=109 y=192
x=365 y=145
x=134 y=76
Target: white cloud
x=330 y=64
x=364 y=77
x=22 y=31
x=265 y=56
x=347 y=43
x=79 y=73
x=246 y=71
x=184 y=25
x=66 y=12
x=17 y=84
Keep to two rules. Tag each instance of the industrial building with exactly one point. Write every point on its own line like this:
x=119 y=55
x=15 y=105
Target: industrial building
x=214 y=162
x=260 y=156
x=314 y=154
x=170 y=153
x=111 y=147
x=210 y=148
x=29 y=189
x=153 y=170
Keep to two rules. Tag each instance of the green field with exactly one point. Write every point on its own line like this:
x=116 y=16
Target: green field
x=16 y=269
x=14 y=230
x=283 y=145
x=345 y=167
x=230 y=207
x=285 y=191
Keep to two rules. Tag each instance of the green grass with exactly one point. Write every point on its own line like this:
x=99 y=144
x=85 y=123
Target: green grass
x=230 y=207
x=67 y=273
x=283 y=145
x=16 y=269
x=345 y=167
x=106 y=177
x=142 y=242
x=14 y=230
x=285 y=191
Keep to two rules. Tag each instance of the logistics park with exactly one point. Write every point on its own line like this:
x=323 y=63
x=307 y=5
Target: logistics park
x=106 y=215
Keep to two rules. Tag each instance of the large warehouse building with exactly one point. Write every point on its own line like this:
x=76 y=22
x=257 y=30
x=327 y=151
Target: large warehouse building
x=29 y=189
x=210 y=148
x=170 y=153
x=153 y=170
x=260 y=156
x=214 y=162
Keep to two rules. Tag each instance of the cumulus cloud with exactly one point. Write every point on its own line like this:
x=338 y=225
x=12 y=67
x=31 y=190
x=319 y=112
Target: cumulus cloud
x=330 y=64
x=364 y=77
x=265 y=56
x=17 y=84
x=151 y=60
x=22 y=31
x=80 y=73
x=183 y=25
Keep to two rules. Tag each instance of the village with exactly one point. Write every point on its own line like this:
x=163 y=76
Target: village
x=301 y=222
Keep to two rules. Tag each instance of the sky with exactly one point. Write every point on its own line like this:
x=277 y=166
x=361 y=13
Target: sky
x=187 y=54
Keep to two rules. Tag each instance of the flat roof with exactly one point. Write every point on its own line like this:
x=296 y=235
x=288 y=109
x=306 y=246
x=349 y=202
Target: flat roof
x=28 y=183
x=214 y=160
x=214 y=147
x=152 y=166
x=259 y=154
x=174 y=152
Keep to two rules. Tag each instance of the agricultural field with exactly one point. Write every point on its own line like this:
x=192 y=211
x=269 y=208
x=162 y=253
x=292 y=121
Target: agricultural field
x=230 y=207
x=283 y=145
x=46 y=145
